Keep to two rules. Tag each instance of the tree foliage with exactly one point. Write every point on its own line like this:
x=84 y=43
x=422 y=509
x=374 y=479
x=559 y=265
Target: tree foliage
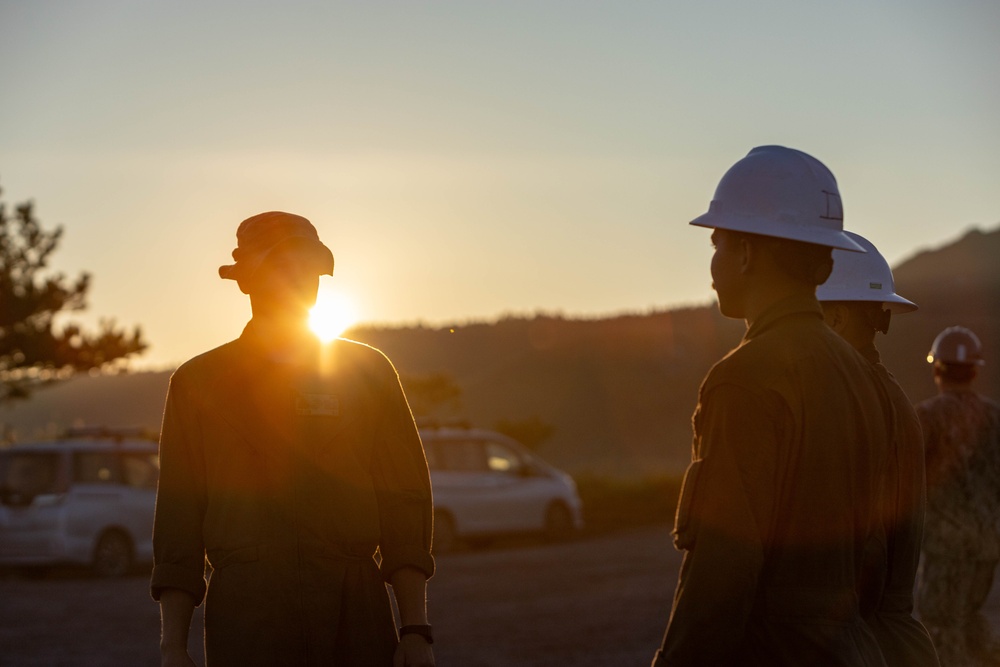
x=34 y=348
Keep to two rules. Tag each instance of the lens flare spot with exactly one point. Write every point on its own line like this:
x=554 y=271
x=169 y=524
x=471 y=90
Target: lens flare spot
x=331 y=316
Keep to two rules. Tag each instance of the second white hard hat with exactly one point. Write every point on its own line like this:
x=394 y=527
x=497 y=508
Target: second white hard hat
x=863 y=277
x=780 y=192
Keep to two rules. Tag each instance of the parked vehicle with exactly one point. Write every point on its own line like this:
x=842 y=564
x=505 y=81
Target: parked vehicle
x=87 y=498
x=487 y=485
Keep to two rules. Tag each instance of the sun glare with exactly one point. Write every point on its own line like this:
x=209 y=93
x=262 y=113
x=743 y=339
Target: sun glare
x=331 y=316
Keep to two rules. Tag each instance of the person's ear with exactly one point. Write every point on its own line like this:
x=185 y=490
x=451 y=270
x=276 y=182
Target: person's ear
x=836 y=316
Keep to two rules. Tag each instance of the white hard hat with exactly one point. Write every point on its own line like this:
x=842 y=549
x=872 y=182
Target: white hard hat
x=863 y=277
x=780 y=192
x=956 y=345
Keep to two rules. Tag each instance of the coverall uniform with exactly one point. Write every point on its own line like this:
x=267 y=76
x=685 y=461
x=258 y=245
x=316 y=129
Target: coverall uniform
x=290 y=477
x=780 y=500
x=962 y=542
x=889 y=611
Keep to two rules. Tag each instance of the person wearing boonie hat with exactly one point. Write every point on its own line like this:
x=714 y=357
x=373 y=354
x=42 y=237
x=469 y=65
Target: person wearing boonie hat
x=287 y=465
x=778 y=504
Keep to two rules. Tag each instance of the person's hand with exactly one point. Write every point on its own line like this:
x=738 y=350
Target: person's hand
x=175 y=657
x=413 y=651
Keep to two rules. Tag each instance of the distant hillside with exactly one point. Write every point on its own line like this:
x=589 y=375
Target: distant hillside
x=134 y=399
x=618 y=391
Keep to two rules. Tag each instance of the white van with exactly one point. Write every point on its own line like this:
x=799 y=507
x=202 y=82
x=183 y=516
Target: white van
x=84 y=499
x=487 y=485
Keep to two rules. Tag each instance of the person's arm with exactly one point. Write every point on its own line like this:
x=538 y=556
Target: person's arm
x=402 y=485
x=176 y=608
x=409 y=585
x=178 y=548
x=717 y=526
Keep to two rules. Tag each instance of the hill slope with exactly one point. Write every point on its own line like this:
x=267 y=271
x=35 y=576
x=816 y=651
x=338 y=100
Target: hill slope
x=958 y=284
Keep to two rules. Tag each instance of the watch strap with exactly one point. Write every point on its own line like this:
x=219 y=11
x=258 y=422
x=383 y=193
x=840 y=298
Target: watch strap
x=422 y=630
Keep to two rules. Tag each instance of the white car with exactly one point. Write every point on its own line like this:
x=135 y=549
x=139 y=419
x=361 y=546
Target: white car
x=85 y=499
x=487 y=485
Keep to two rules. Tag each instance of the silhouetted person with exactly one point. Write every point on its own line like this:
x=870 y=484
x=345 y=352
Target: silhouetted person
x=859 y=299
x=962 y=541
x=288 y=464
x=790 y=441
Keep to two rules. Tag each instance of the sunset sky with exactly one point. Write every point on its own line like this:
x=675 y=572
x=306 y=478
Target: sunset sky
x=466 y=160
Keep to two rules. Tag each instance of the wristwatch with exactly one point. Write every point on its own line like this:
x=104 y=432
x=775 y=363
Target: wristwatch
x=422 y=630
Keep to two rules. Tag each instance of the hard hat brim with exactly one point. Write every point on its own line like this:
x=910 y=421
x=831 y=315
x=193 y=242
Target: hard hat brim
x=897 y=305
x=311 y=250
x=830 y=238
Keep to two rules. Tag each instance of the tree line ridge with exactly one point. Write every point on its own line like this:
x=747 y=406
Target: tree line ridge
x=617 y=392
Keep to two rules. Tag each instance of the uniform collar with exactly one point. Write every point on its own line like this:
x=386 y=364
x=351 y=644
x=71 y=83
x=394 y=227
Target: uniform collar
x=792 y=305
x=260 y=349
x=870 y=352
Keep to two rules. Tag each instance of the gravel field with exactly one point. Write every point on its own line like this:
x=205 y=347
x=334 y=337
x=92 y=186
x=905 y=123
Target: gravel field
x=600 y=601
x=597 y=601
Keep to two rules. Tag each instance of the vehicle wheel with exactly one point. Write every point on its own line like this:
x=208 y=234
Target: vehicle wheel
x=112 y=555
x=558 y=523
x=445 y=538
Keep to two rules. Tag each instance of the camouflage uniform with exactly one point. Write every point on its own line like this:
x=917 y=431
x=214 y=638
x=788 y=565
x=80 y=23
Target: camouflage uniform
x=962 y=541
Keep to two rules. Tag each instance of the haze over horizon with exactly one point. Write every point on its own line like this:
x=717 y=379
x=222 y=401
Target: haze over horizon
x=467 y=160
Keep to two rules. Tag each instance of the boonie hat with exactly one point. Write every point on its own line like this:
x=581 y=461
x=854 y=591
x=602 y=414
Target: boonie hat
x=261 y=234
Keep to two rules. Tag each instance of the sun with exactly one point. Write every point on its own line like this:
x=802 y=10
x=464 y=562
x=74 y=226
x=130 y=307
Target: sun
x=331 y=316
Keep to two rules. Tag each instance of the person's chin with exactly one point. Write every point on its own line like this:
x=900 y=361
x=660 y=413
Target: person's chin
x=727 y=309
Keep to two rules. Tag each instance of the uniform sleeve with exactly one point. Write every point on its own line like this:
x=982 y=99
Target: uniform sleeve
x=723 y=502
x=908 y=506
x=402 y=486
x=178 y=547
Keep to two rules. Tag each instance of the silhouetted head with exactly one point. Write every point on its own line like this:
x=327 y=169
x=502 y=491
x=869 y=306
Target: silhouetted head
x=857 y=322
x=279 y=259
x=265 y=233
x=750 y=268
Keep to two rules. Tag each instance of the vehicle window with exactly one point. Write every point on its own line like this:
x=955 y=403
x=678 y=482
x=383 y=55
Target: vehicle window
x=500 y=458
x=96 y=468
x=30 y=474
x=462 y=456
x=140 y=470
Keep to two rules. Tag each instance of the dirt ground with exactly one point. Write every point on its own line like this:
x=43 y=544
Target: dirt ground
x=594 y=602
